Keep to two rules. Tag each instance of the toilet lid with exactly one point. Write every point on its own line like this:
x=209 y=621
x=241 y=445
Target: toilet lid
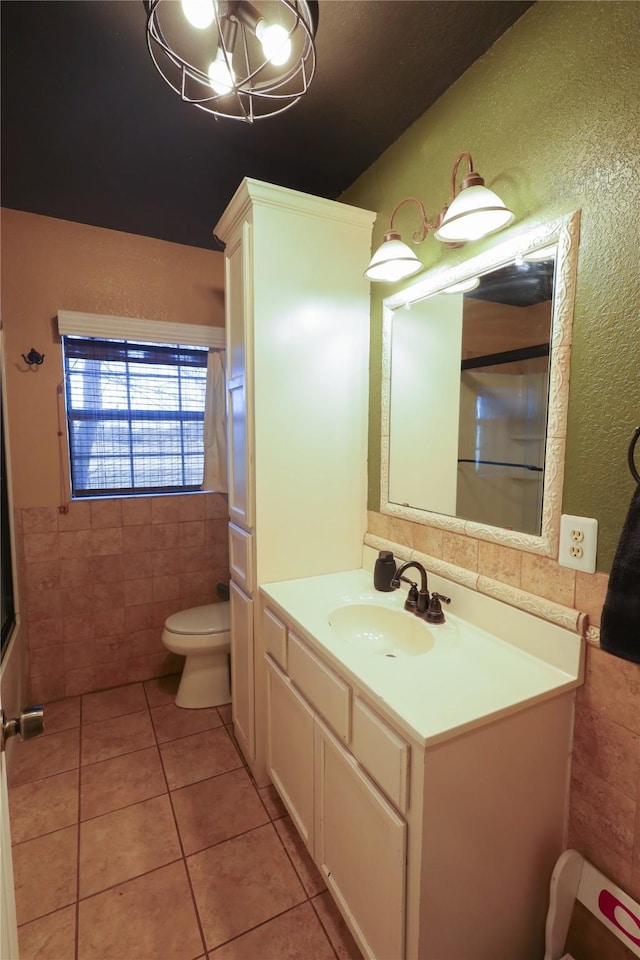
x=211 y=618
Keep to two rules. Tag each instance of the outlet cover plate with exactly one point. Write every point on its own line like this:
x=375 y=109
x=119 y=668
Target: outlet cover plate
x=578 y=543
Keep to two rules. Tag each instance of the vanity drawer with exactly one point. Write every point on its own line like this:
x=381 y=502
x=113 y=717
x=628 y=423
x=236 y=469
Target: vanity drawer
x=275 y=637
x=241 y=557
x=323 y=688
x=383 y=754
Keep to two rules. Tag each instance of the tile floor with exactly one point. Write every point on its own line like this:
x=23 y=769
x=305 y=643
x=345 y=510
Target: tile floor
x=139 y=835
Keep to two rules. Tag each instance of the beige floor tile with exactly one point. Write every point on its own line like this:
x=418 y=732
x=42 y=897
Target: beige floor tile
x=126 y=843
x=45 y=871
x=61 y=715
x=198 y=757
x=296 y=935
x=241 y=883
x=225 y=713
x=217 y=809
x=113 y=703
x=273 y=803
x=162 y=689
x=121 y=781
x=338 y=932
x=44 y=757
x=112 y=738
x=171 y=722
x=310 y=877
x=43 y=806
x=149 y=918
x=50 y=938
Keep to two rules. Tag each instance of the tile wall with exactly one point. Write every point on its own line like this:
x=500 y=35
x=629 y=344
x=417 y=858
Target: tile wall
x=97 y=583
x=604 y=821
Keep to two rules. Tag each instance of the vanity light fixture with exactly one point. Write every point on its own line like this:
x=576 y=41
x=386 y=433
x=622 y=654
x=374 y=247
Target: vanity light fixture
x=473 y=212
x=542 y=254
x=465 y=286
x=234 y=58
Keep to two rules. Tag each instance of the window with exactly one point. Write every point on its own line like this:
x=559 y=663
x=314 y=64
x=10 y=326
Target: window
x=135 y=415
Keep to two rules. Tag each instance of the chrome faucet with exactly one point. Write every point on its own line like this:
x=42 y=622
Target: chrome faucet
x=418 y=601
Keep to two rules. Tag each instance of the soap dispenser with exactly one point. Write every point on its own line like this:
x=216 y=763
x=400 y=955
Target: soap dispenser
x=384 y=571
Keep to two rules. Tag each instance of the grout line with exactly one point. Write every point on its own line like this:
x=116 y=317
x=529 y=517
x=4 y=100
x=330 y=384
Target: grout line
x=121 y=883
x=291 y=860
x=77 y=905
x=319 y=918
x=177 y=828
x=263 y=923
x=183 y=736
x=46 y=833
x=125 y=806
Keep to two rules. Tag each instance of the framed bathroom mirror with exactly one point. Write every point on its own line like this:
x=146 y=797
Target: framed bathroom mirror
x=475 y=391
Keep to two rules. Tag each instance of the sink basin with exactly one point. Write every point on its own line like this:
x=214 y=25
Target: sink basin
x=378 y=630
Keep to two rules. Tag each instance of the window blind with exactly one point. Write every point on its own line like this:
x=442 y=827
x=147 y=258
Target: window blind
x=135 y=416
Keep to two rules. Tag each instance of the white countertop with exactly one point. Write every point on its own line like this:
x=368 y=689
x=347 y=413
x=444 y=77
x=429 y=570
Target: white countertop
x=470 y=676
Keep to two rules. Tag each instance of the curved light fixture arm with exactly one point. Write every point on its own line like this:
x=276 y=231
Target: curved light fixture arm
x=425 y=226
x=472 y=179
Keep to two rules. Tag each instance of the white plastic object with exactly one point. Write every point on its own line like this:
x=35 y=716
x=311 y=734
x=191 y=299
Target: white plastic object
x=575 y=878
x=578 y=543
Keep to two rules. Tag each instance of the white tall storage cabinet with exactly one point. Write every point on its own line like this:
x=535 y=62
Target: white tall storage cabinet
x=297 y=328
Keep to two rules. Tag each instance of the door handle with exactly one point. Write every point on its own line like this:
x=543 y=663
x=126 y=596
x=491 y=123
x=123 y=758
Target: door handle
x=29 y=724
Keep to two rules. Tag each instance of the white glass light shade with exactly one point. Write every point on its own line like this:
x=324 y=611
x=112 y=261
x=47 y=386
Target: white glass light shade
x=544 y=253
x=393 y=260
x=199 y=13
x=475 y=213
x=463 y=287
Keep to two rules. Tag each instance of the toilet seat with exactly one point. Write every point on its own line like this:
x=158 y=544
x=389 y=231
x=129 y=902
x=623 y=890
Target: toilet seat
x=198 y=630
x=207 y=619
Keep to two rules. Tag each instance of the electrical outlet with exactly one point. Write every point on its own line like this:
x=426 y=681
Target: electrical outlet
x=578 y=543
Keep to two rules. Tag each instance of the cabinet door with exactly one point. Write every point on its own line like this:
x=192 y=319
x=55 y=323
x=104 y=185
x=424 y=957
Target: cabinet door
x=290 y=750
x=361 y=849
x=242 y=670
x=240 y=457
x=238 y=306
x=241 y=558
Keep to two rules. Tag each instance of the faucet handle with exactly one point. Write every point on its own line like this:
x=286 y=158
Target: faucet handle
x=434 y=612
x=441 y=596
x=411 y=603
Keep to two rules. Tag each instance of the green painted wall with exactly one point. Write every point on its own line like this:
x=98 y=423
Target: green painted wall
x=551 y=115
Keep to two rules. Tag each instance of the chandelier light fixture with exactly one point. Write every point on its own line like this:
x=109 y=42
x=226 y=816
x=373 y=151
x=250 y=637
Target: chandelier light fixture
x=473 y=212
x=235 y=58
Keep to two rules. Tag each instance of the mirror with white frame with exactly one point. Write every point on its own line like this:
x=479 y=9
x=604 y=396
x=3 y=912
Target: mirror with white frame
x=475 y=391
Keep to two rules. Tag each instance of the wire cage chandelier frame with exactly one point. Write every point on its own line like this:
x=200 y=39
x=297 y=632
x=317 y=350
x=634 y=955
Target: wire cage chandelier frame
x=255 y=85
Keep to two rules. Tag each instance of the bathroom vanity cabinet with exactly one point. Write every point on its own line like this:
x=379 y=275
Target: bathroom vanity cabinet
x=297 y=341
x=433 y=849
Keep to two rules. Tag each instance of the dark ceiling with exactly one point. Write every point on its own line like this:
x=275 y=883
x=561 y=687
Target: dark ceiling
x=91 y=133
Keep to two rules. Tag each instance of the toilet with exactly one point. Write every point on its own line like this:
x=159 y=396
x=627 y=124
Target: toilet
x=201 y=634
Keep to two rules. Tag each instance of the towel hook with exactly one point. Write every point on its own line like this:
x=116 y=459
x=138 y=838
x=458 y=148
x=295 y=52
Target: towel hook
x=33 y=357
x=632 y=448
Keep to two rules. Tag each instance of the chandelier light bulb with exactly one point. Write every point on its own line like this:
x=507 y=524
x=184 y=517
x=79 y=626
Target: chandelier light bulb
x=199 y=13
x=221 y=76
x=275 y=42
